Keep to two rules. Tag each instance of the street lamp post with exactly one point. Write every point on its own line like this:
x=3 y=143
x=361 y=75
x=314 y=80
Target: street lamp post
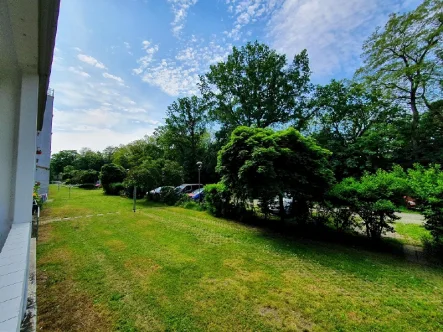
x=199 y=164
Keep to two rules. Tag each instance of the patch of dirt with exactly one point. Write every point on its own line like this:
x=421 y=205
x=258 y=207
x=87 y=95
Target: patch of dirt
x=65 y=308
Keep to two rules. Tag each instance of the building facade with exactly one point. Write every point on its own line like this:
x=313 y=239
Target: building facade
x=27 y=39
x=43 y=147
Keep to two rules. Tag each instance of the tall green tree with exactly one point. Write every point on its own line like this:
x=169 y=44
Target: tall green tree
x=60 y=160
x=89 y=160
x=135 y=153
x=183 y=135
x=355 y=123
x=257 y=87
x=403 y=58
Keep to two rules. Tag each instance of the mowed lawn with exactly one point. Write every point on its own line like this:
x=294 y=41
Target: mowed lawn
x=167 y=268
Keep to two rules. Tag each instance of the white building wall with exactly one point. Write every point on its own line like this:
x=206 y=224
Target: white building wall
x=10 y=104
x=44 y=137
x=17 y=144
x=27 y=37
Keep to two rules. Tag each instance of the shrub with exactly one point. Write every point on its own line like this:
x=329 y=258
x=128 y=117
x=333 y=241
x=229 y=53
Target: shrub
x=192 y=205
x=87 y=179
x=217 y=199
x=374 y=198
x=335 y=214
x=115 y=188
x=169 y=196
x=427 y=185
x=111 y=174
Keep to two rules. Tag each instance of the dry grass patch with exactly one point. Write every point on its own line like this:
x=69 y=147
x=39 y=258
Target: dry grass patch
x=141 y=267
x=64 y=307
x=116 y=245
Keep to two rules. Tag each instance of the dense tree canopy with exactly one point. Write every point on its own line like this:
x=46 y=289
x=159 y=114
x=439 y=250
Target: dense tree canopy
x=261 y=163
x=183 y=136
x=403 y=57
x=62 y=159
x=353 y=121
x=255 y=86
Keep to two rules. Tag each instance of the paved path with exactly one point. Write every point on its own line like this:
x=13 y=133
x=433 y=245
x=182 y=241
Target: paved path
x=48 y=221
x=411 y=218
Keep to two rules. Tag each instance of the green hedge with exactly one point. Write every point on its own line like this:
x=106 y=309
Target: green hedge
x=217 y=199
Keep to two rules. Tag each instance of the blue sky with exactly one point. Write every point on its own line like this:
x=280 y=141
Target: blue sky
x=118 y=64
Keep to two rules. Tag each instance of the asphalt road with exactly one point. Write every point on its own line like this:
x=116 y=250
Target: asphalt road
x=411 y=218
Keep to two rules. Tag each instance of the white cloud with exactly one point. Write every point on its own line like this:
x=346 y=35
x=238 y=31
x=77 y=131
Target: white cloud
x=99 y=127
x=180 y=9
x=91 y=61
x=79 y=71
x=172 y=79
x=96 y=114
x=113 y=77
x=78 y=49
x=145 y=60
x=248 y=11
x=180 y=75
x=127 y=45
x=331 y=31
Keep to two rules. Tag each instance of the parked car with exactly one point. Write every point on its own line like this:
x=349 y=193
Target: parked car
x=187 y=188
x=197 y=194
x=155 y=193
x=274 y=206
x=411 y=203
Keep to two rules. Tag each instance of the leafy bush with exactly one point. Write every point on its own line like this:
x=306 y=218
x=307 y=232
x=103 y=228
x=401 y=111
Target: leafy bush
x=115 y=188
x=217 y=199
x=427 y=185
x=111 y=174
x=374 y=198
x=87 y=179
x=192 y=205
x=169 y=196
x=340 y=217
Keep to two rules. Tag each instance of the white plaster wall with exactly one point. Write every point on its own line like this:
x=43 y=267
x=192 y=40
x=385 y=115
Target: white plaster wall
x=9 y=111
x=44 y=144
x=24 y=165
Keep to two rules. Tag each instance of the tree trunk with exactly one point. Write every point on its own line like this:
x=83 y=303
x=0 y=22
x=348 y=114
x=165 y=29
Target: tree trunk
x=415 y=123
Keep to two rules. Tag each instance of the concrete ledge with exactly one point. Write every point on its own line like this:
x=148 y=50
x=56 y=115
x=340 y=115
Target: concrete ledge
x=29 y=323
x=14 y=262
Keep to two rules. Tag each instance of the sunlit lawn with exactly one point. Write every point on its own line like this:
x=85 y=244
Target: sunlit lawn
x=412 y=233
x=165 y=268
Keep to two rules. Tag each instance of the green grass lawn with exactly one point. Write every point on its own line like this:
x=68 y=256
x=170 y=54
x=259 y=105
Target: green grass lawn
x=411 y=233
x=167 y=268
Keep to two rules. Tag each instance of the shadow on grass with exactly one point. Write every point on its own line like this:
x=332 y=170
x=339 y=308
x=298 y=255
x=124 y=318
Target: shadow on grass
x=349 y=252
x=291 y=231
